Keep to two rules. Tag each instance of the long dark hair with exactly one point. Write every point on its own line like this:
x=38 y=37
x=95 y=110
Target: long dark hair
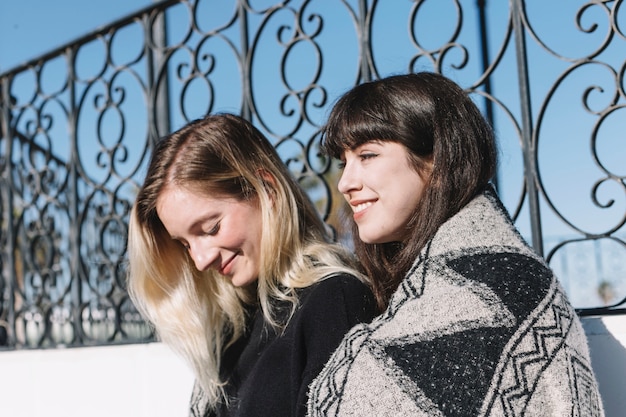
x=449 y=143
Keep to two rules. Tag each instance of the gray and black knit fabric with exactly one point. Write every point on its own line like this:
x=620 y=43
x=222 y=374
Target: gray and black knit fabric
x=479 y=327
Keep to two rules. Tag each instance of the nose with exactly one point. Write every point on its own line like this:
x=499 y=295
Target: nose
x=349 y=180
x=203 y=257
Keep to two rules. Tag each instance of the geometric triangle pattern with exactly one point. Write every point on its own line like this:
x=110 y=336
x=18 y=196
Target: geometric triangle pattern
x=479 y=327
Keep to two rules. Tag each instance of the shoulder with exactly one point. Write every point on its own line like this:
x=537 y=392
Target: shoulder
x=340 y=285
x=340 y=298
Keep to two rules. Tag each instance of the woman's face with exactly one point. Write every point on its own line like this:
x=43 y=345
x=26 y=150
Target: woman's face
x=382 y=189
x=219 y=233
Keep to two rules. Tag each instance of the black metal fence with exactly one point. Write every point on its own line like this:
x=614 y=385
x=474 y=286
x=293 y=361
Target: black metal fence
x=77 y=126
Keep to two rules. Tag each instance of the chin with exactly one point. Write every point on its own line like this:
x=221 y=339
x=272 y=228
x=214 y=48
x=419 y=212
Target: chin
x=371 y=240
x=242 y=283
x=378 y=239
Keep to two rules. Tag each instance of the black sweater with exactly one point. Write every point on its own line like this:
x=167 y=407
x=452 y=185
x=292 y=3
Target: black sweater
x=268 y=374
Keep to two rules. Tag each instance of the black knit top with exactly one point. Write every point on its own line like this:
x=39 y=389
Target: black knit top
x=268 y=374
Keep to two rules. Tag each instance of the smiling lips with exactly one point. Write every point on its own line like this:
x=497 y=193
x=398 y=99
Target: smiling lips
x=361 y=206
x=225 y=269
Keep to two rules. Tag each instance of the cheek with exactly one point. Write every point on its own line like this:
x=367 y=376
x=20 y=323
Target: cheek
x=250 y=231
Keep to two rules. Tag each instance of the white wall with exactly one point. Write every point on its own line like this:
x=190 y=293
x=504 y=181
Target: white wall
x=145 y=380
x=148 y=380
x=607 y=342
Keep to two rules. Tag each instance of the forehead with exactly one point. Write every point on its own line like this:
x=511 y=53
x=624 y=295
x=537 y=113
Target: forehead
x=181 y=210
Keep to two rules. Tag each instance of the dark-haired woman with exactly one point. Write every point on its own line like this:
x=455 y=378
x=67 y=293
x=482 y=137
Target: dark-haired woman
x=476 y=324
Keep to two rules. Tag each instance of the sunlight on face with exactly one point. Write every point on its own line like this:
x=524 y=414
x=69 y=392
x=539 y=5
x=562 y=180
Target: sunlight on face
x=220 y=233
x=382 y=189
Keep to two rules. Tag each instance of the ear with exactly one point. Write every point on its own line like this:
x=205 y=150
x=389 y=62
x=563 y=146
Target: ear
x=266 y=176
x=269 y=182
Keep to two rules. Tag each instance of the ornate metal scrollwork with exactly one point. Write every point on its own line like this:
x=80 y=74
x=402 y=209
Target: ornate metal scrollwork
x=78 y=125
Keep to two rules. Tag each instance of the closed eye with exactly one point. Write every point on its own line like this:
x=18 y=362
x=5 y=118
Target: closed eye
x=365 y=156
x=214 y=229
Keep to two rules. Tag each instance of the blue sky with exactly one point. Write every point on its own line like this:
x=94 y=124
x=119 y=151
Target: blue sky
x=29 y=28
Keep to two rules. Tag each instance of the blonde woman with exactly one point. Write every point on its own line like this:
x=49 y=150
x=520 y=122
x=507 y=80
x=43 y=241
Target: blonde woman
x=231 y=263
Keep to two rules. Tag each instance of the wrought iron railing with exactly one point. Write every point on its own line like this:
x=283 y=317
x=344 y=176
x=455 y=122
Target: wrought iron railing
x=78 y=124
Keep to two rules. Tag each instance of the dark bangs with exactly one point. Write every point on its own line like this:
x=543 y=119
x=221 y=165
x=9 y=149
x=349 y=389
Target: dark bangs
x=357 y=118
x=393 y=110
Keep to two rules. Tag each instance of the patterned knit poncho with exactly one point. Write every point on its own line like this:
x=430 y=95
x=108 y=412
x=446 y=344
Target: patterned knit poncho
x=479 y=327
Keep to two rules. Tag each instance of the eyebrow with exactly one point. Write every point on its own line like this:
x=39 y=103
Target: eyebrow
x=197 y=225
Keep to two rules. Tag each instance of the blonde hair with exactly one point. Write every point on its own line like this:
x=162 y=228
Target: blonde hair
x=199 y=314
